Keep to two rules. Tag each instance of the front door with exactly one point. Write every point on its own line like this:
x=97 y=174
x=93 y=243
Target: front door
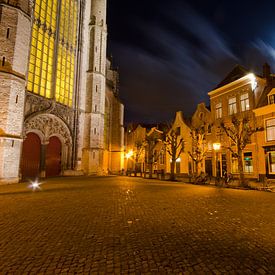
x=53 y=157
x=30 y=162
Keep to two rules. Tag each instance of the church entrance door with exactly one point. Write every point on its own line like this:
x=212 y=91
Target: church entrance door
x=30 y=164
x=53 y=157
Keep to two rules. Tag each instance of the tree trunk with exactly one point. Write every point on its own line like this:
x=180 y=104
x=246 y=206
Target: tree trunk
x=135 y=168
x=240 y=168
x=199 y=168
x=150 y=170
x=172 y=173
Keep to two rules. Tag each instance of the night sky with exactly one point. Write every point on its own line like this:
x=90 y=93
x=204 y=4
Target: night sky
x=170 y=54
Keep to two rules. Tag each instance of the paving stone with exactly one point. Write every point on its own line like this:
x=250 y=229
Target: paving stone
x=81 y=226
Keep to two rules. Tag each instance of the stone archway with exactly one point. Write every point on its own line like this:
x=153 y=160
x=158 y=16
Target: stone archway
x=56 y=143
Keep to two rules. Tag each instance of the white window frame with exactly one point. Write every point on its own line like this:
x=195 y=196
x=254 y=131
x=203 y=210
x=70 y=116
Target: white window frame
x=270 y=128
x=232 y=105
x=244 y=100
x=218 y=110
x=269 y=164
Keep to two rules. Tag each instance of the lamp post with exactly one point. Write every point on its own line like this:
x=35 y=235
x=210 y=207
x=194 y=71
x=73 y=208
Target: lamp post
x=217 y=147
x=128 y=155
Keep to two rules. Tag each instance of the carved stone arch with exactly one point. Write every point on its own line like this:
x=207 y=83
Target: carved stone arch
x=48 y=125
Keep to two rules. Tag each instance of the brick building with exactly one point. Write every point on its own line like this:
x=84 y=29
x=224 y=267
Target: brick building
x=240 y=94
x=59 y=108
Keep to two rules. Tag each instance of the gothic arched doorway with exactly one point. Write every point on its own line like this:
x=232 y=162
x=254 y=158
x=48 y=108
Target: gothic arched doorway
x=53 y=157
x=30 y=164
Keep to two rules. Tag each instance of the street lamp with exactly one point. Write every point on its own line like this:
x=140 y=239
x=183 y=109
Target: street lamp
x=128 y=156
x=217 y=147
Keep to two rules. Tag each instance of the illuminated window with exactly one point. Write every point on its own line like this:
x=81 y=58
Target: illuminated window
x=248 y=164
x=219 y=110
x=232 y=105
x=52 y=61
x=272 y=99
x=244 y=102
x=161 y=157
x=270 y=129
x=271 y=162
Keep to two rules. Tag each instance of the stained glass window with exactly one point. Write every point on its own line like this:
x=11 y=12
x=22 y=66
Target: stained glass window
x=53 y=48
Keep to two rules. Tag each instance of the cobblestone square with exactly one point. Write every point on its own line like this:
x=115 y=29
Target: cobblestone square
x=122 y=225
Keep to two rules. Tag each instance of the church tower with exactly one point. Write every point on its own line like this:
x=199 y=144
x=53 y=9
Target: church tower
x=15 y=31
x=92 y=93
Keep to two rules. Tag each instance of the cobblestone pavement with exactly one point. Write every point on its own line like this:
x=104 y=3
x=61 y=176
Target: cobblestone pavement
x=121 y=225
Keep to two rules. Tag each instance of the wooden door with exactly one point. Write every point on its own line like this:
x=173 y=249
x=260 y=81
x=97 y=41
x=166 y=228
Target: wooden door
x=31 y=153
x=53 y=157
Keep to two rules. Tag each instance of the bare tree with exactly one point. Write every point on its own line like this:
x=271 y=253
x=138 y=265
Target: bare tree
x=139 y=149
x=239 y=130
x=174 y=147
x=151 y=140
x=199 y=148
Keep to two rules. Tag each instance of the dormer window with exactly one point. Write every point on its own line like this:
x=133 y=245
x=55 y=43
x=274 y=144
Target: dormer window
x=271 y=96
x=271 y=99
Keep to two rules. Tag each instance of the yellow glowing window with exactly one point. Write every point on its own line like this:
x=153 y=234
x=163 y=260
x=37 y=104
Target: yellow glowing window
x=43 y=60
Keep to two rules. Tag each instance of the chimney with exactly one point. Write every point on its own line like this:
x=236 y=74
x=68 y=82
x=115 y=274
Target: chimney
x=266 y=72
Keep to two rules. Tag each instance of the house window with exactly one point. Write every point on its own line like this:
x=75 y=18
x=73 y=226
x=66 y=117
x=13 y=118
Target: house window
x=272 y=99
x=8 y=33
x=161 y=157
x=232 y=105
x=248 y=164
x=219 y=110
x=271 y=162
x=244 y=102
x=209 y=129
x=270 y=129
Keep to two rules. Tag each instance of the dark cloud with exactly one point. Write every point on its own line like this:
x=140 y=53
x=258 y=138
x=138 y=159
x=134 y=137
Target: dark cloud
x=171 y=55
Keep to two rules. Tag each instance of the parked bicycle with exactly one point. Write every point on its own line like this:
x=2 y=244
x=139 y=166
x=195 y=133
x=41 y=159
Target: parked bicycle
x=202 y=178
x=224 y=181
